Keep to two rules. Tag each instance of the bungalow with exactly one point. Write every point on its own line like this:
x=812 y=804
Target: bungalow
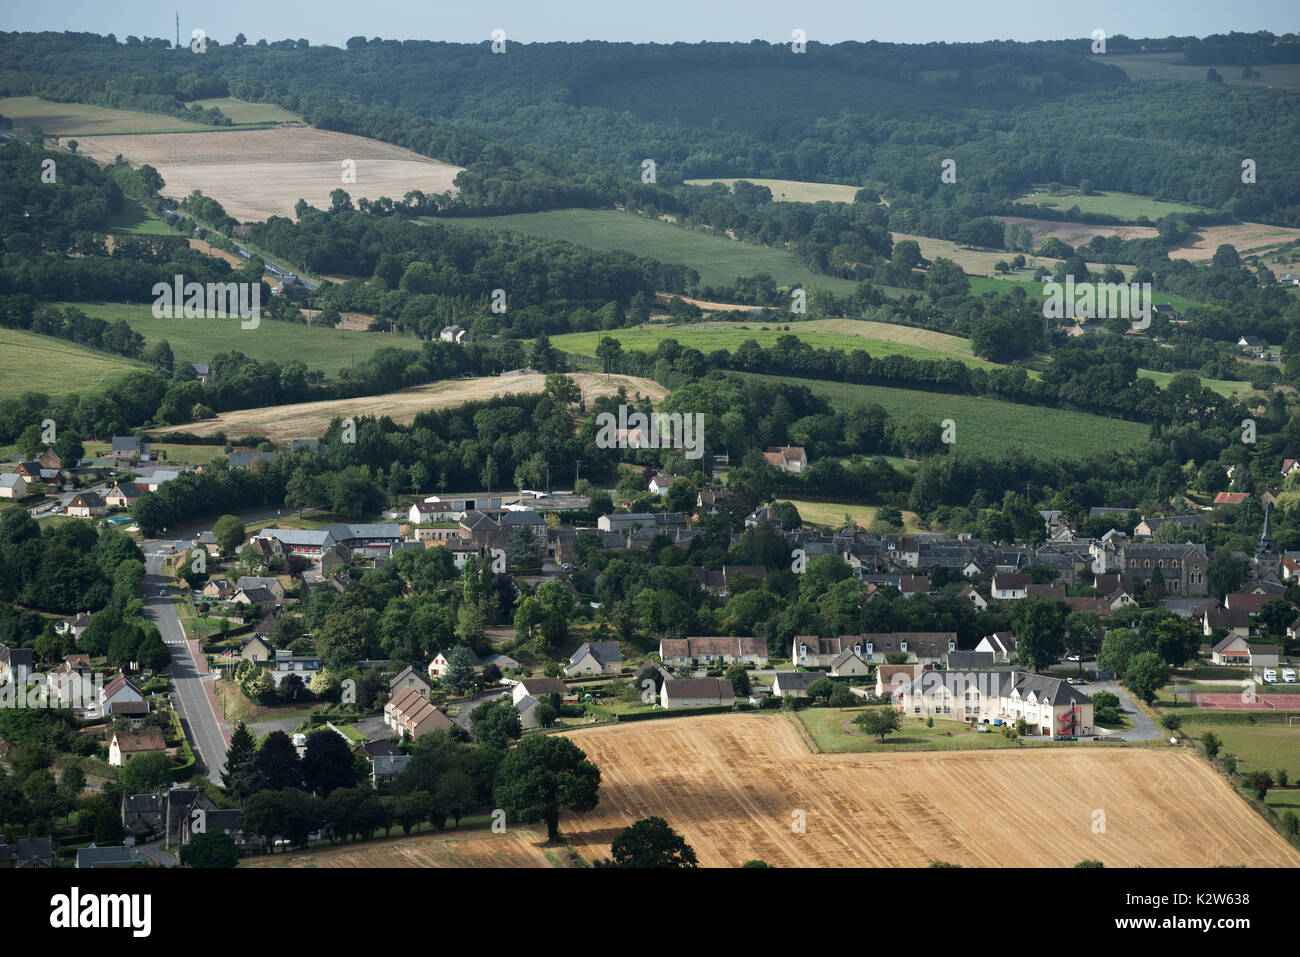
x=86 y=505
x=409 y=677
x=412 y=715
x=12 y=485
x=127 y=744
x=787 y=458
x=596 y=658
x=1236 y=650
x=129 y=447
x=1010 y=587
x=678 y=652
x=794 y=684
x=540 y=688
x=696 y=693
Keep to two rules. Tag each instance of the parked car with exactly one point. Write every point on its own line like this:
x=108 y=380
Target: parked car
x=1288 y=675
x=1270 y=676
x=1072 y=658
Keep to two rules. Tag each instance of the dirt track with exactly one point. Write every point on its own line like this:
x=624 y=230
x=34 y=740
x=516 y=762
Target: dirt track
x=731 y=783
x=281 y=423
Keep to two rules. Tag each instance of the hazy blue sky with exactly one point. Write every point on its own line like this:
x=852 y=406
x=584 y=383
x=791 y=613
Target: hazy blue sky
x=333 y=21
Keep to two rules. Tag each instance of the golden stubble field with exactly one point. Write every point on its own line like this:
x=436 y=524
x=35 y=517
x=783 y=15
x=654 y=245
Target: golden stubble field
x=1200 y=246
x=731 y=784
x=281 y=423
x=259 y=173
x=518 y=847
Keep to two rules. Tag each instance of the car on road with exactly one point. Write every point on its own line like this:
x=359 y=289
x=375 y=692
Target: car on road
x=1072 y=658
x=162 y=593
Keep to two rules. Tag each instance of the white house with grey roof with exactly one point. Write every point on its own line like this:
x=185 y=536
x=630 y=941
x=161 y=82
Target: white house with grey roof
x=595 y=658
x=1050 y=707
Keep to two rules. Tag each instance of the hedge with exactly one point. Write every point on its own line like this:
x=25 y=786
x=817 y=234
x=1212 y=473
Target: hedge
x=674 y=713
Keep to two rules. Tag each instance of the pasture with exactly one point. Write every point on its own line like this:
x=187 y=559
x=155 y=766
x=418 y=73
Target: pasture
x=82 y=119
x=1268 y=746
x=242 y=112
x=988 y=425
x=56 y=367
x=198 y=340
x=734 y=785
x=1170 y=66
x=1123 y=206
x=718 y=260
x=791 y=190
x=877 y=338
x=831 y=514
x=281 y=423
x=259 y=173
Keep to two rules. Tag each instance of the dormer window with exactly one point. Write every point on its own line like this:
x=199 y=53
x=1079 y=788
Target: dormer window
x=803 y=651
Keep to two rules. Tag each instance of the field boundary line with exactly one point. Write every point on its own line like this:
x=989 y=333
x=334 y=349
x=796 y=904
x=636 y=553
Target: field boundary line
x=801 y=729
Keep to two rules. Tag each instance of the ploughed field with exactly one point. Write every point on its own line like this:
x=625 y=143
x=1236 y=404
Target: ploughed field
x=732 y=784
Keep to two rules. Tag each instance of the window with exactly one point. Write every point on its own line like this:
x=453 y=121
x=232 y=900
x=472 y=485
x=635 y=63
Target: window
x=803 y=651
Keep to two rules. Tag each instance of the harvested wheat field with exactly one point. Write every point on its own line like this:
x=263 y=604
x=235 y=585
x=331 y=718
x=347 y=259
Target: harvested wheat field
x=518 y=847
x=259 y=173
x=280 y=423
x=1247 y=238
x=731 y=784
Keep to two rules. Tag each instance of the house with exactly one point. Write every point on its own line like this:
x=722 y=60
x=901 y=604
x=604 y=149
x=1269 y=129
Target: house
x=1002 y=644
x=202 y=371
x=453 y=333
x=256 y=649
x=133 y=712
x=1010 y=587
x=438 y=667
x=1049 y=706
x=412 y=715
x=12 y=485
x=696 y=693
x=422 y=513
x=890 y=678
x=74 y=625
x=622 y=522
x=526 y=705
x=263 y=598
x=660 y=484
x=35 y=852
x=384 y=766
x=1253 y=346
x=969 y=660
x=502 y=662
x=246 y=460
x=848 y=662
x=271 y=584
x=216 y=589
x=129 y=447
x=1231 y=498
x=794 y=684
x=286 y=663
x=911 y=585
x=678 y=652
x=16 y=664
x=158 y=478
x=811 y=651
x=721 y=583
x=86 y=505
x=1236 y=650
x=1248 y=601
x=143 y=814
x=190 y=812
x=102 y=857
x=123 y=495
x=787 y=458
x=975 y=598
x=409 y=677
x=1236 y=621
x=307 y=445
x=120 y=691
x=50 y=460
x=127 y=744
x=540 y=688
x=709 y=501
x=596 y=658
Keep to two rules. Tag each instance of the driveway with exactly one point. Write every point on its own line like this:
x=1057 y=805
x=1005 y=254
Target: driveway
x=1143 y=727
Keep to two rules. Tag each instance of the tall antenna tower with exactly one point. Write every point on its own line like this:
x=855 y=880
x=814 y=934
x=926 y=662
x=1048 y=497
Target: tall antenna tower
x=178 y=29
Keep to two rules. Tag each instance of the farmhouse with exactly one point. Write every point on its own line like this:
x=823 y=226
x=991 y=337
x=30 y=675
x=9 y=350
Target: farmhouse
x=677 y=652
x=129 y=447
x=696 y=693
x=787 y=458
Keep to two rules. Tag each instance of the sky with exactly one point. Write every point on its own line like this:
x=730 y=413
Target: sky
x=664 y=21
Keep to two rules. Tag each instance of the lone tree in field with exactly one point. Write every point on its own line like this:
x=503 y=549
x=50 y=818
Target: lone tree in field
x=650 y=842
x=1259 y=782
x=878 y=721
x=543 y=774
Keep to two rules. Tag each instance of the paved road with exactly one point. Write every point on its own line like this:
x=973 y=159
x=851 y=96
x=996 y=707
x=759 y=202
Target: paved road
x=1143 y=728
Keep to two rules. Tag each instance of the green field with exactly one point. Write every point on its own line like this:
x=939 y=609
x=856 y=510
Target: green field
x=136 y=220
x=831 y=514
x=877 y=338
x=982 y=284
x=1124 y=206
x=243 y=112
x=198 y=340
x=1169 y=66
x=791 y=190
x=718 y=260
x=81 y=119
x=988 y=425
x=33 y=363
x=1221 y=386
x=1258 y=747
